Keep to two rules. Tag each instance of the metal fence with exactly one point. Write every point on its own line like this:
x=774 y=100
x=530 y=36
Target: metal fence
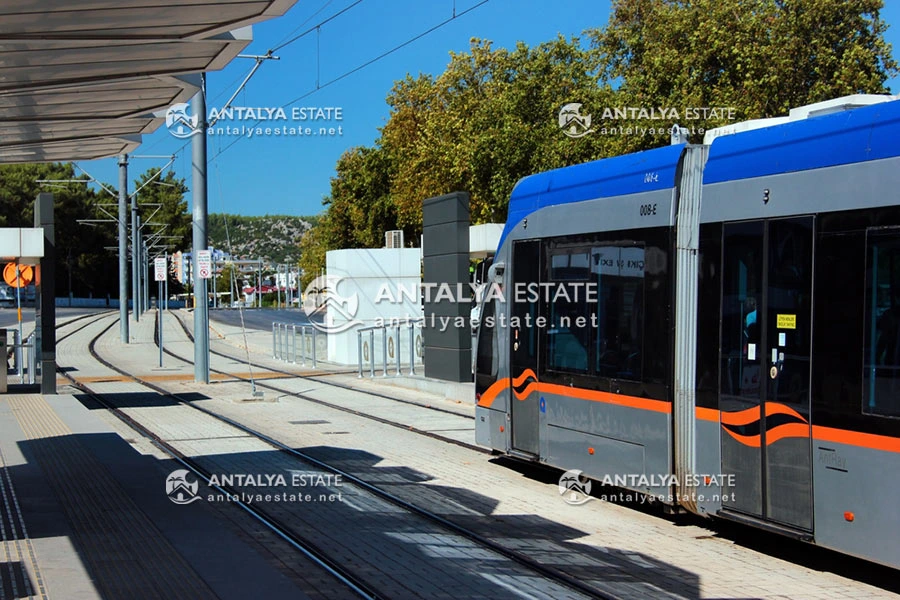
x=24 y=357
x=391 y=347
x=285 y=344
x=400 y=346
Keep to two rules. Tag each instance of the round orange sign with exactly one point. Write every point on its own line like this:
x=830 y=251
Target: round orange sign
x=26 y=275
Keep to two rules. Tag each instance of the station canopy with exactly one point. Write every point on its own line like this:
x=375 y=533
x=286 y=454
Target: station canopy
x=85 y=80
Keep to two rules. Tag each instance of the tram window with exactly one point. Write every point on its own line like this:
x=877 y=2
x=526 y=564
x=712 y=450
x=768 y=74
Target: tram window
x=574 y=265
x=881 y=376
x=619 y=273
x=568 y=337
x=487 y=342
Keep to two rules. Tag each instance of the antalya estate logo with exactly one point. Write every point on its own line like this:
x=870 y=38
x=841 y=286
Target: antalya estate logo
x=257 y=121
x=327 y=309
x=180 y=122
x=572 y=122
x=179 y=489
x=574 y=487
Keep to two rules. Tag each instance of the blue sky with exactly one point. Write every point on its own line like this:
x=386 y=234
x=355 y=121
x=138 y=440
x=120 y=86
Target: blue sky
x=290 y=175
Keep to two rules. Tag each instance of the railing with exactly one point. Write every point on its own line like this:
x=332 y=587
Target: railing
x=390 y=347
x=284 y=343
x=24 y=357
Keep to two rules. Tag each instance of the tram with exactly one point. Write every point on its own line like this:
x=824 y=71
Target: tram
x=716 y=326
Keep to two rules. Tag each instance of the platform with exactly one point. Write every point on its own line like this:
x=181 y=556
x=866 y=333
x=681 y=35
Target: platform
x=86 y=516
x=98 y=524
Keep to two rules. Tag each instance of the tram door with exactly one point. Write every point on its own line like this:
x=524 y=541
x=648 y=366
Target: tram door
x=765 y=368
x=524 y=409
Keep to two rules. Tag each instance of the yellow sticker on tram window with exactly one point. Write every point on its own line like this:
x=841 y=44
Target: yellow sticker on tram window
x=787 y=321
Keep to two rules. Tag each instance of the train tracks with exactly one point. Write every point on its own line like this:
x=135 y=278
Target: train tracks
x=332 y=405
x=554 y=581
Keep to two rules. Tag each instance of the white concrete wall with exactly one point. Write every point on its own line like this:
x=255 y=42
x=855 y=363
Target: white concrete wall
x=483 y=239
x=21 y=243
x=364 y=273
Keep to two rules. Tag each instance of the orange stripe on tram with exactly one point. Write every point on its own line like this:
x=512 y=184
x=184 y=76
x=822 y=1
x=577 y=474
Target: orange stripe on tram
x=741 y=417
x=856 y=438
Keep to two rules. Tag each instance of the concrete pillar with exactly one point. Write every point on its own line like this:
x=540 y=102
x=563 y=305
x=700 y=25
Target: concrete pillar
x=45 y=295
x=445 y=251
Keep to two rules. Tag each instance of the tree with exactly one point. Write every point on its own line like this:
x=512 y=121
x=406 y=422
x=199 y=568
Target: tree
x=491 y=117
x=80 y=248
x=229 y=280
x=162 y=207
x=761 y=57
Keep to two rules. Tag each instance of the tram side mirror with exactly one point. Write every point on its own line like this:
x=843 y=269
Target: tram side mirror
x=495 y=273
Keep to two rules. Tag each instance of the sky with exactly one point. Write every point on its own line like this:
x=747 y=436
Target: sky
x=290 y=175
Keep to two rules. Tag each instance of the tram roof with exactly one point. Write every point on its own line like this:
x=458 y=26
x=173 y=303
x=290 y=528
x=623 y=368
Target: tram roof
x=645 y=171
x=841 y=138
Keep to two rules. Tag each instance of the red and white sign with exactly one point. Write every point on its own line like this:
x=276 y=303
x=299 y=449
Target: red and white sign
x=159 y=269
x=204 y=264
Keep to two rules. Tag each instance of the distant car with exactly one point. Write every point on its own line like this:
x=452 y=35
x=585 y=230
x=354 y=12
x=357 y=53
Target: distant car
x=7 y=295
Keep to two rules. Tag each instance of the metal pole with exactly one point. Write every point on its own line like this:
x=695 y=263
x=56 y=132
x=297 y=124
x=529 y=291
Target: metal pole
x=136 y=253
x=303 y=346
x=412 y=349
x=214 y=286
x=145 y=268
x=294 y=343
x=123 y=248
x=372 y=353
x=32 y=358
x=384 y=337
x=19 y=302
x=359 y=353
x=200 y=240
x=166 y=281
x=397 y=349
x=314 y=333
x=159 y=318
x=135 y=261
x=17 y=353
x=274 y=344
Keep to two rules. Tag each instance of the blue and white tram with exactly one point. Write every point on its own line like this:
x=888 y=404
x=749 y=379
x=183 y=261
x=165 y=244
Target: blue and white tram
x=735 y=348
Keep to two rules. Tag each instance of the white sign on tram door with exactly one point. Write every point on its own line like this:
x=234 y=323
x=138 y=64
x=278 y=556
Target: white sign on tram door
x=204 y=264
x=159 y=269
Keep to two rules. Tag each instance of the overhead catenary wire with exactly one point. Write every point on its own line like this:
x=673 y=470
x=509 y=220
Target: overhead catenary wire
x=316 y=26
x=232 y=285
x=364 y=65
x=320 y=86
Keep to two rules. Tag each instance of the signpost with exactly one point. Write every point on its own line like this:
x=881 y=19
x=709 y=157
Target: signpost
x=201 y=314
x=159 y=270
x=18 y=276
x=204 y=264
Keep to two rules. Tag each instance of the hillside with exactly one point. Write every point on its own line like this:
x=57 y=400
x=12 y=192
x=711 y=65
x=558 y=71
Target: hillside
x=273 y=238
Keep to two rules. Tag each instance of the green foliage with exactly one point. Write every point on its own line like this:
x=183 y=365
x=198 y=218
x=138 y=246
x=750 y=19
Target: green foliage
x=82 y=260
x=491 y=117
x=274 y=238
x=86 y=252
x=163 y=209
x=229 y=279
x=762 y=57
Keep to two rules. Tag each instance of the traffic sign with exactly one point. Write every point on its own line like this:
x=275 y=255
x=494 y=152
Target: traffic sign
x=204 y=264
x=26 y=275
x=159 y=267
